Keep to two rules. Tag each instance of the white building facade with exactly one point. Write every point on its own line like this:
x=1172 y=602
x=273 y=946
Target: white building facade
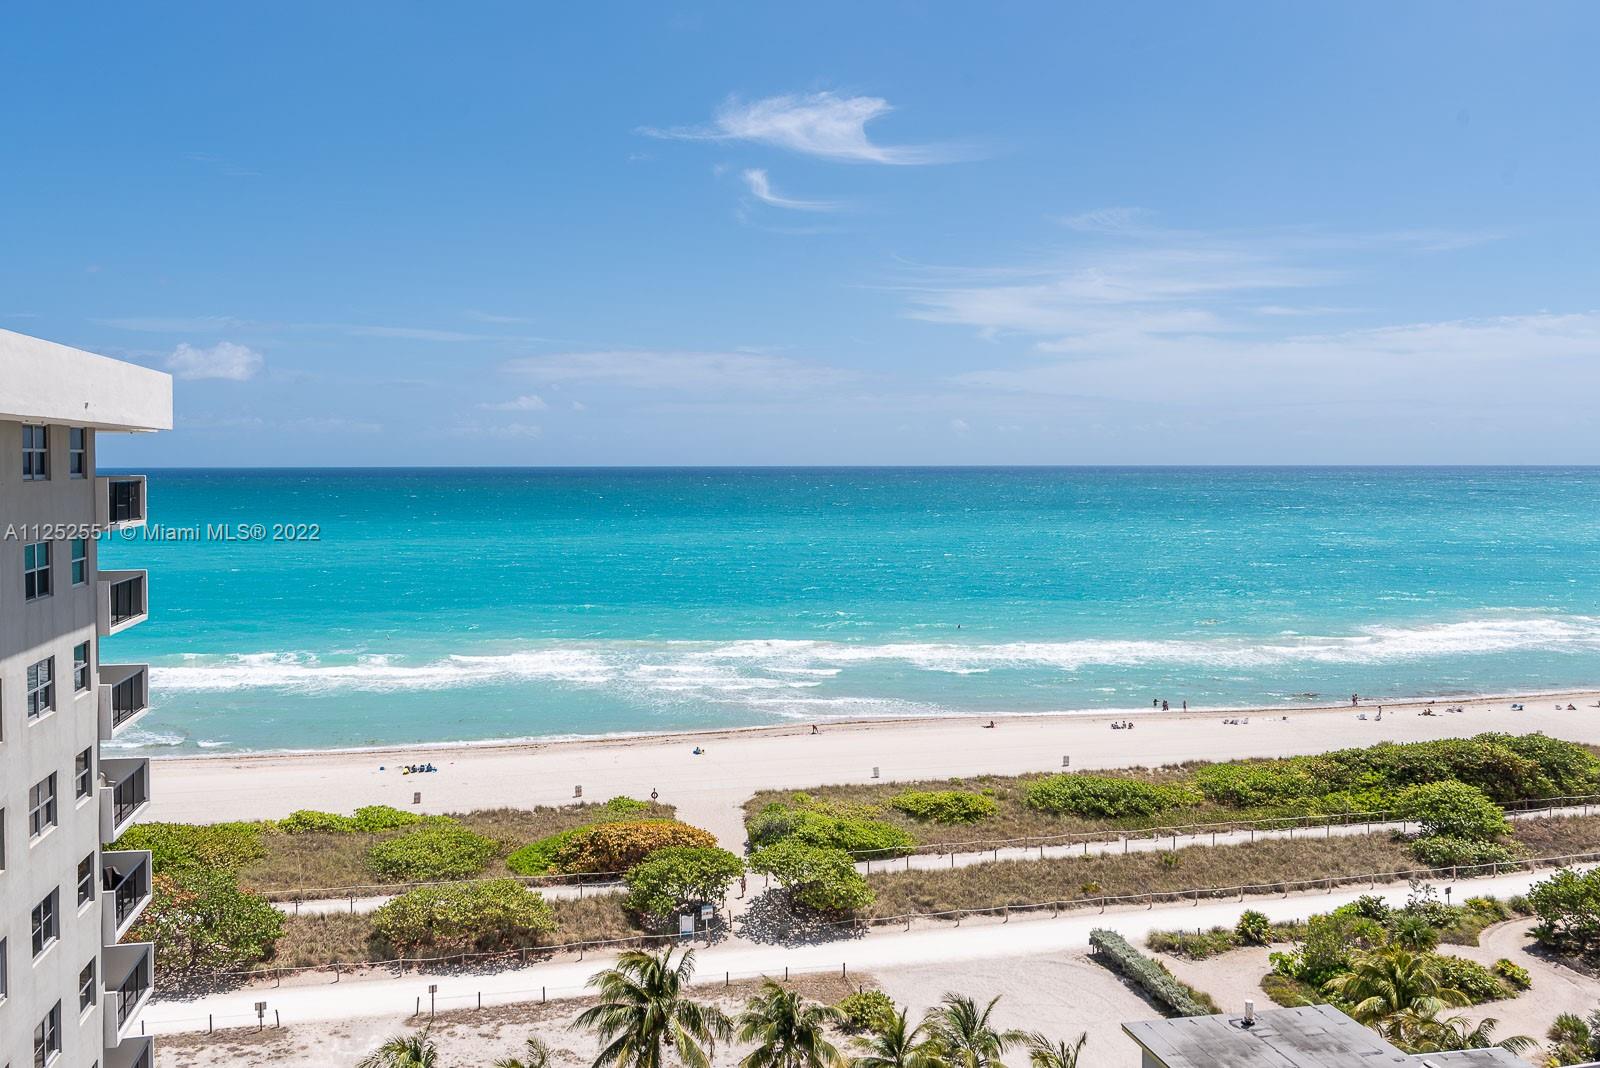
x=70 y=987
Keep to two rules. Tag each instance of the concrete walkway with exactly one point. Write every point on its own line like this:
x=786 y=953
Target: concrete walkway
x=316 y=998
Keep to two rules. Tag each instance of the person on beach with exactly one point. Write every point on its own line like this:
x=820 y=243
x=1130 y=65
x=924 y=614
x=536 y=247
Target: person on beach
x=814 y=729
x=1164 y=707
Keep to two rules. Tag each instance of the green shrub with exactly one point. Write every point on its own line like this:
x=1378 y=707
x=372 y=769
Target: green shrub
x=1326 y=948
x=203 y=924
x=1288 y=992
x=176 y=847
x=539 y=858
x=851 y=828
x=670 y=878
x=618 y=846
x=1149 y=975
x=1469 y=977
x=309 y=821
x=1101 y=796
x=1452 y=810
x=1195 y=945
x=436 y=851
x=1253 y=928
x=1567 y=906
x=1514 y=974
x=1440 y=851
x=621 y=808
x=870 y=1010
x=1254 y=783
x=945 y=806
x=464 y=917
x=820 y=879
x=375 y=819
x=1411 y=930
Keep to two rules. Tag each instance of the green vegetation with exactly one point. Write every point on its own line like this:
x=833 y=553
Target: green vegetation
x=203 y=924
x=822 y=880
x=1149 y=975
x=668 y=879
x=414 y=1050
x=945 y=806
x=1253 y=929
x=645 y=1009
x=1504 y=767
x=853 y=828
x=868 y=1010
x=436 y=851
x=614 y=847
x=788 y=1031
x=562 y=851
x=1515 y=975
x=1099 y=795
x=1567 y=906
x=540 y=858
x=1451 y=810
x=207 y=846
x=1573 y=1040
x=464 y=917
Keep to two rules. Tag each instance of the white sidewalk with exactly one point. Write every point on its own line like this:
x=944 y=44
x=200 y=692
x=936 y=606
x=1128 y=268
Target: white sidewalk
x=885 y=947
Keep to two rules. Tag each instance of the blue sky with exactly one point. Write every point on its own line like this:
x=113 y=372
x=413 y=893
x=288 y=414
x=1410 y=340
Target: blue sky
x=834 y=233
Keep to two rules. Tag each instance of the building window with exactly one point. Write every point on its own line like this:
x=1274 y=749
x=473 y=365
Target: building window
x=42 y=687
x=5 y=981
x=47 y=1038
x=35 y=453
x=78 y=452
x=42 y=806
x=80 y=666
x=36 y=571
x=86 y=880
x=83 y=773
x=86 y=987
x=80 y=561
x=45 y=928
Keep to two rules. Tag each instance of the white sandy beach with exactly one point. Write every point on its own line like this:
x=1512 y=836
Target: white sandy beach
x=708 y=789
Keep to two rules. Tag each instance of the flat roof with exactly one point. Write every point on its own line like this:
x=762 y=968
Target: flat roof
x=43 y=382
x=1315 y=1036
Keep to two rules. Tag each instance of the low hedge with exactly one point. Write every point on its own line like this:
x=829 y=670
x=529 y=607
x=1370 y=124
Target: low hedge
x=176 y=847
x=945 y=806
x=852 y=828
x=1103 y=796
x=616 y=847
x=1149 y=975
x=867 y=1010
x=436 y=851
x=369 y=819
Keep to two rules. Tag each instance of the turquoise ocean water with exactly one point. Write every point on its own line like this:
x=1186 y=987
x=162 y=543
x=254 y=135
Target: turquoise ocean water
x=478 y=604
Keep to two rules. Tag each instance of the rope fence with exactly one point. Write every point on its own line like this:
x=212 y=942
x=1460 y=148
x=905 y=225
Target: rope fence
x=521 y=957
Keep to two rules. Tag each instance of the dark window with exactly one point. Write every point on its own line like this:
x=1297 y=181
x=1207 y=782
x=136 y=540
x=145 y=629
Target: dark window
x=78 y=452
x=35 y=453
x=83 y=773
x=42 y=806
x=80 y=561
x=47 y=1038
x=41 y=687
x=86 y=880
x=36 y=571
x=45 y=928
x=80 y=666
x=86 y=993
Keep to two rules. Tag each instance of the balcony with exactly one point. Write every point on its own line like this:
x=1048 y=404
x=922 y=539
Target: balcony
x=127 y=977
x=124 y=794
x=135 y=1052
x=125 y=890
x=119 y=501
x=124 y=696
x=122 y=602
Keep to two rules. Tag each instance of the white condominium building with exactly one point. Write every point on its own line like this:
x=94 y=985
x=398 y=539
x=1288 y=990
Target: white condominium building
x=70 y=987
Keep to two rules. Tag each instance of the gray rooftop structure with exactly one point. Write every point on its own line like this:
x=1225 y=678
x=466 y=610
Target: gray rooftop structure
x=1316 y=1036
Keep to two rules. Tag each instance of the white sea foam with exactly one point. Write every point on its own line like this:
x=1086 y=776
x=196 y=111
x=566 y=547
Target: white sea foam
x=744 y=670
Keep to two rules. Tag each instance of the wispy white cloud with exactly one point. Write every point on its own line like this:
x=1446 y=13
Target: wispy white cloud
x=680 y=371
x=814 y=124
x=177 y=324
x=528 y=402
x=414 y=333
x=224 y=360
x=760 y=187
x=500 y=432
x=486 y=317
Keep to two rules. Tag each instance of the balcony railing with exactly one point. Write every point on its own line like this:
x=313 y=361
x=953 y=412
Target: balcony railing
x=125 y=880
x=133 y=1052
x=124 y=792
x=123 y=600
x=128 y=974
x=120 y=501
x=124 y=696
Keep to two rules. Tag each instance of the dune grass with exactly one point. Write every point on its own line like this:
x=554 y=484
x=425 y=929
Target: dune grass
x=297 y=862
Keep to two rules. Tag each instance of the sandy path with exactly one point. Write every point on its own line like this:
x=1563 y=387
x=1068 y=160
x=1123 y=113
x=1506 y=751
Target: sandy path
x=709 y=789
x=878 y=952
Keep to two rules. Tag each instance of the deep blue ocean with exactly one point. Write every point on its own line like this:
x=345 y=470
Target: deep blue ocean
x=448 y=604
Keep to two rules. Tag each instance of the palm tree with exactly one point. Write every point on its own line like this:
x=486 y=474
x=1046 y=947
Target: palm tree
x=415 y=1050
x=535 y=1055
x=1385 y=984
x=1427 y=1034
x=788 y=1032
x=963 y=1036
x=1043 y=1053
x=898 y=1045
x=643 y=1009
